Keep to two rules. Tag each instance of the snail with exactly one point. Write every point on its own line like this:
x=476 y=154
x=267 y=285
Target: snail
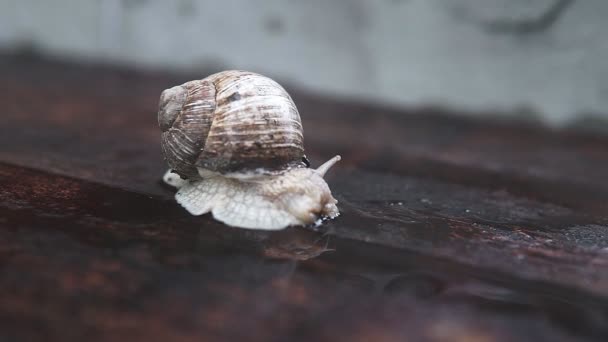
x=235 y=148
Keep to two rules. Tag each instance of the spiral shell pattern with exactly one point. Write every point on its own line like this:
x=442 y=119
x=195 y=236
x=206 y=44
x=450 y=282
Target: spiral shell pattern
x=232 y=121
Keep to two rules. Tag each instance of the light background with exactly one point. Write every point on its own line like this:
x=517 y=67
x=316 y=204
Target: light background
x=455 y=53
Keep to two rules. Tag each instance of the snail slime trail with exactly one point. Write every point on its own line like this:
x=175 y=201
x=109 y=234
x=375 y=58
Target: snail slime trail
x=235 y=148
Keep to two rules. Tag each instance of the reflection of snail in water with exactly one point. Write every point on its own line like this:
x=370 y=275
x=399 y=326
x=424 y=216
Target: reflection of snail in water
x=236 y=140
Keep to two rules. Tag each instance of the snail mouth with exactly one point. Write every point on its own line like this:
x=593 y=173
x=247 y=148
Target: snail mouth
x=310 y=211
x=330 y=210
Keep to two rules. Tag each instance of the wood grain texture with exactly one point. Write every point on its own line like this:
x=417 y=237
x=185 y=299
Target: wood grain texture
x=451 y=228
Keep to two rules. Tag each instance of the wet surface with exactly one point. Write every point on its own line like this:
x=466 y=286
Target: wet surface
x=451 y=228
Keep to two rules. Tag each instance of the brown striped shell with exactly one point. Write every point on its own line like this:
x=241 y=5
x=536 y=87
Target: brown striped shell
x=232 y=121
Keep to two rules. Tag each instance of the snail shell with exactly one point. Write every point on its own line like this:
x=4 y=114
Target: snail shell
x=234 y=144
x=231 y=121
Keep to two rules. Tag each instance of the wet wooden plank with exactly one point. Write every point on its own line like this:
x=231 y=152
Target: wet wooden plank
x=451 y=227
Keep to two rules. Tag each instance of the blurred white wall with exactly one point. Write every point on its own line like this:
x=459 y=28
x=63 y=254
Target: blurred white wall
x=465 y=54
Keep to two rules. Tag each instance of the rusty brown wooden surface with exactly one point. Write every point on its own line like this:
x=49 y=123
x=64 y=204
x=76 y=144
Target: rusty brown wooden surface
x=452 y=229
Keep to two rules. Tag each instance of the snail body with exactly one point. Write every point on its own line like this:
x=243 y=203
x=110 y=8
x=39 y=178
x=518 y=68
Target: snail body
x=234 y=144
